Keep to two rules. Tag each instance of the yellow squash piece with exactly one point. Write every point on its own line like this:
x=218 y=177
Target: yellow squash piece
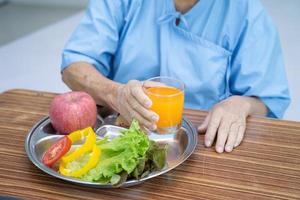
x=86 y=147
x=94 y=158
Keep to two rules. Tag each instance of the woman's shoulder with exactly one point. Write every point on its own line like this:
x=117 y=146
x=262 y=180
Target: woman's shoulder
x=126 y=4
x=248 y=8
x=116 y=5
x=236 y=17
x=129 y=7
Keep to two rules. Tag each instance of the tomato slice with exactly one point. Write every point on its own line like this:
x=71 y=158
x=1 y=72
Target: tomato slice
x=56 y=151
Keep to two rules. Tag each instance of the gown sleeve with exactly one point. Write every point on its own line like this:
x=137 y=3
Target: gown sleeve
x=257 y=67
x=95 y=40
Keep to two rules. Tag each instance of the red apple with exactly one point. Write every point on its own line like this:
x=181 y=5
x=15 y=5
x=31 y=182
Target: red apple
x=72 y=111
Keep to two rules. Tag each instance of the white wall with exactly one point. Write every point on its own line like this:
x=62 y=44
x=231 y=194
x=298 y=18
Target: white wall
x=33 y=62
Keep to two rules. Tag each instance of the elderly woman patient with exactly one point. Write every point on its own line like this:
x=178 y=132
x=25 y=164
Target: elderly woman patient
x=227 y=52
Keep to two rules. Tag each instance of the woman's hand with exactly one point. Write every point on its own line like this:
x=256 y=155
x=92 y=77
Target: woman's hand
x=132 y=103
x=227 y=121
x=129 y=99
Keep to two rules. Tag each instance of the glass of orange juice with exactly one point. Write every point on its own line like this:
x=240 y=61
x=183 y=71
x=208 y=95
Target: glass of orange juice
x=167 y=96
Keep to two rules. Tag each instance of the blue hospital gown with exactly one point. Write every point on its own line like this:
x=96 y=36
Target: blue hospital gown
x=219 y=48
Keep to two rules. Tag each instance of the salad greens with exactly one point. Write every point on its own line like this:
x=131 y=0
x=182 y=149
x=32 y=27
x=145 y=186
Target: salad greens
x=131 y=155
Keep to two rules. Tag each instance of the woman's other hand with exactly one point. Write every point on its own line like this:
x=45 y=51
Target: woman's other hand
x=226 y=122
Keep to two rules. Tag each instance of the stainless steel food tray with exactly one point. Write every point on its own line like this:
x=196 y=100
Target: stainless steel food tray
x=179 y=147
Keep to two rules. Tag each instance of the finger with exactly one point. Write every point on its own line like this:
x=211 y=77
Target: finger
x=134 y=106
x=223 y=132
x=203 y=127
x=132 y=114
x=240 y=135
x=234 y=128
x=138 y=93
x=147 y=114
x=212 y=128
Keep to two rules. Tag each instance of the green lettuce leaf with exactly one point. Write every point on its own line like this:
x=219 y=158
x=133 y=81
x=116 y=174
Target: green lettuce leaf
x=120 y=154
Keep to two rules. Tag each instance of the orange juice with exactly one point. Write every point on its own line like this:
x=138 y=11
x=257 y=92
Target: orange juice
x=167 y=102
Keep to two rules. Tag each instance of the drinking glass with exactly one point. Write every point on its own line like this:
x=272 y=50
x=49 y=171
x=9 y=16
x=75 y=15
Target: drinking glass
x=167 y=96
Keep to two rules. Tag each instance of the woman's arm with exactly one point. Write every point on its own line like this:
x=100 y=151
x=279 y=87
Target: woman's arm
x=256 y=69
x=83 y=76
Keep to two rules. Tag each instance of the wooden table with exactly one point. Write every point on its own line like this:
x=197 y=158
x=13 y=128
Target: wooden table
x=265 y=166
